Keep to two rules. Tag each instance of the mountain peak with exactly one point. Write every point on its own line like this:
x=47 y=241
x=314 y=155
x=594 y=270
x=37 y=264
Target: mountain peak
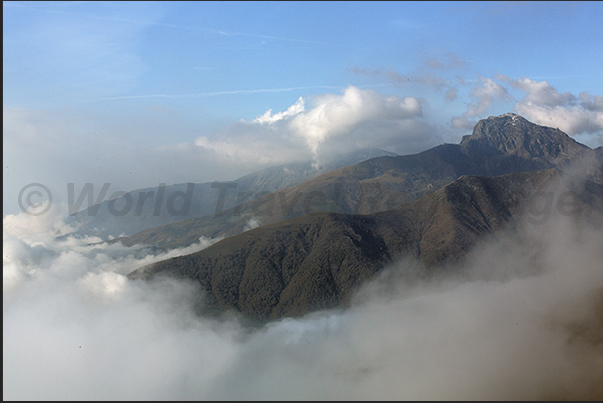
x=512 y=115
x=504 y=126
x=511 y=134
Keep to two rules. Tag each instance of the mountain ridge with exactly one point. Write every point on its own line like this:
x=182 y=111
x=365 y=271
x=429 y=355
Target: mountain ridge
x=318 y=260
x=498 y=145
x=150 y=207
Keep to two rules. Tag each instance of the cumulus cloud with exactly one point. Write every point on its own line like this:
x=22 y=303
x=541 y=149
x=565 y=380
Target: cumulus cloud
x=580 y=114
x=573 y=120
x=521 y=322
x=295 y=109
x=591 y=102
x=483 y=95
x=32 y=227
x=333 y=124
x=541 y=92
x=34 y=243
x=335 y=115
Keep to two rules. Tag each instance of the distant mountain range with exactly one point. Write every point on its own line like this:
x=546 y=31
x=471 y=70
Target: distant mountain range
x=498 y=145
x=151 y=207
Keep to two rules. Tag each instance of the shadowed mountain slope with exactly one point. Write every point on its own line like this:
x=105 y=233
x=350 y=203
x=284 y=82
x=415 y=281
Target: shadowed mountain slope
x=317 y=261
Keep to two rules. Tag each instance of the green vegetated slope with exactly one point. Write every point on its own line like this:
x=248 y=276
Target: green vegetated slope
x=317 y=260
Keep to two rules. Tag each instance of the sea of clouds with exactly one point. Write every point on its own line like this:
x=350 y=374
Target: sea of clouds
x=521 y=319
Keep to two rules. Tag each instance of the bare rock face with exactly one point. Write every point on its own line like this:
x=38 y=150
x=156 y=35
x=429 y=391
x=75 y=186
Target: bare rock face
x=509 y=143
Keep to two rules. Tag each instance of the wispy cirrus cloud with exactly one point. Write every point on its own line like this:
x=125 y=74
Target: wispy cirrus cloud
x=219 y=93
x=395 y=77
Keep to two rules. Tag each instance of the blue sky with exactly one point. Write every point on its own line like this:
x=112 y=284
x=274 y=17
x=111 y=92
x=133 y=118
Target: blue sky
x=142 y=93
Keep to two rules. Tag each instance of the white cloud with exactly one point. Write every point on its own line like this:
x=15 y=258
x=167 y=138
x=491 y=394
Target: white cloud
x=333 y=125
x=572 y=120
x=252 y=223
x=590 y=102
x=541 y=93
x=462 y=123
x=256 y=144
x=544 y=105
x=483 y=96
x=295 y=109
x=579 y=115
x=31 y=226
x=335 y=115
